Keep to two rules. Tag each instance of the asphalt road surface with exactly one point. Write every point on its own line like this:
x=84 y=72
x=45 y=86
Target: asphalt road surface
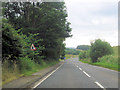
x=75 y=74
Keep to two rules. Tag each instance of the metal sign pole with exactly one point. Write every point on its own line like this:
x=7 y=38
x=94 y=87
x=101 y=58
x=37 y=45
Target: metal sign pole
x=33 y=55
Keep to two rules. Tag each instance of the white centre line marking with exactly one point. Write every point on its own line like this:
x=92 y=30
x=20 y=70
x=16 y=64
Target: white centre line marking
x=46 y=77
x=80 y=68
x=76 y=66
x=86 y=74
x=99 y=84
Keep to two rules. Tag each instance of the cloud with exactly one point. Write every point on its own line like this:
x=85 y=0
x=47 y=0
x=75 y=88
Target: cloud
x=91 y=1
x=91 y=19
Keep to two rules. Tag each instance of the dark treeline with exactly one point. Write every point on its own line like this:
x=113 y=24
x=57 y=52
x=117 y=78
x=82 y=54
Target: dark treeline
x=43 y=24
x=83 y=47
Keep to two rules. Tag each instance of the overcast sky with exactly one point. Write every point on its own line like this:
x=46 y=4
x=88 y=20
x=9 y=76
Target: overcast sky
x=92 y=19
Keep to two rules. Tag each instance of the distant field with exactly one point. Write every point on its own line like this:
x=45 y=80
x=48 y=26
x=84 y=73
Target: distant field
x=108 y=61
x=67 y=56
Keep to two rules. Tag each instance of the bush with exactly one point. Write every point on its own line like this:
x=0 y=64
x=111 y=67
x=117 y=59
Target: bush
x=11 y=44
x=83 y=54
x=26 y=64
x=98 y=49
x=110 y=59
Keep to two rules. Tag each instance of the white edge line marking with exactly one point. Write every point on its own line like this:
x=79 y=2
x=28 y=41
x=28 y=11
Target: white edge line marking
x=46 y=77
x=86 y=74
x=99 y=84
x=80 y=68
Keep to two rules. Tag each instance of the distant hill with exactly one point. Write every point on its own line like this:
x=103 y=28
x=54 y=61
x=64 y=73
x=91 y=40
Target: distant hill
x=83 y=47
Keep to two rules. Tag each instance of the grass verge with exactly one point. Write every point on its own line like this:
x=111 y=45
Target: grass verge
x=14 y=72
x=102 y=64
x=109 y=61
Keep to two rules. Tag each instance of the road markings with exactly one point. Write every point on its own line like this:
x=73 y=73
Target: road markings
x=99 y=84
x=86 y=74
x=76 y=66
x=80 y=68
x=90 y=76
x=46 y=77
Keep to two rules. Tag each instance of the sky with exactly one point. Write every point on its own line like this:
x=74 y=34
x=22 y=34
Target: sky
x=92 y=19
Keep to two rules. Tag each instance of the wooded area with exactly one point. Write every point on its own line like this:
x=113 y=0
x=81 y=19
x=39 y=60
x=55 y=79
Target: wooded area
x=43 y=24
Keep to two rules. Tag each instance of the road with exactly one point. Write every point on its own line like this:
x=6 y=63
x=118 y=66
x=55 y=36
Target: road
x=75 y=74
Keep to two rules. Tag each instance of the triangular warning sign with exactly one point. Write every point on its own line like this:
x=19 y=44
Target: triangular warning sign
x=33 y=48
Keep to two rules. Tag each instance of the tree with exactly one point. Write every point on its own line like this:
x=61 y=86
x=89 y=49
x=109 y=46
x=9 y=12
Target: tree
x=15 y=44
x=99 y=48
x=49 y=19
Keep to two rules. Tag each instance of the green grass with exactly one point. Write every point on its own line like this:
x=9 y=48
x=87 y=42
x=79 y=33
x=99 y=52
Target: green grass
x=38 y=67
x=106 y=65
x=70 y=55
x=9 y=73
x=28 y=67
x=108 y=61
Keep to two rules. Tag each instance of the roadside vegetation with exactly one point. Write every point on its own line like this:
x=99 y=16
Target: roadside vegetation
x=14 y=72
x=71 y=53
x=67 y=56
x=101 y=54
x=43 y=24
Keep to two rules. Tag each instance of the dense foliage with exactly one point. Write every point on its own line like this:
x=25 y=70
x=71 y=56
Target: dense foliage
x=109 y=61
x=72 y=51
x=99 y=48
x=83 y=47
x=46 y=20
x=43 y=24
x=83 y=54
x=15 y=44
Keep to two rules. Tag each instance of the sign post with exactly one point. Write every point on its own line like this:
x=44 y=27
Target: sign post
x=33 y=48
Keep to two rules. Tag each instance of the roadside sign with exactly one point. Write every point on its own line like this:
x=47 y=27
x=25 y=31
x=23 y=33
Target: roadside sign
x=33 y=48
